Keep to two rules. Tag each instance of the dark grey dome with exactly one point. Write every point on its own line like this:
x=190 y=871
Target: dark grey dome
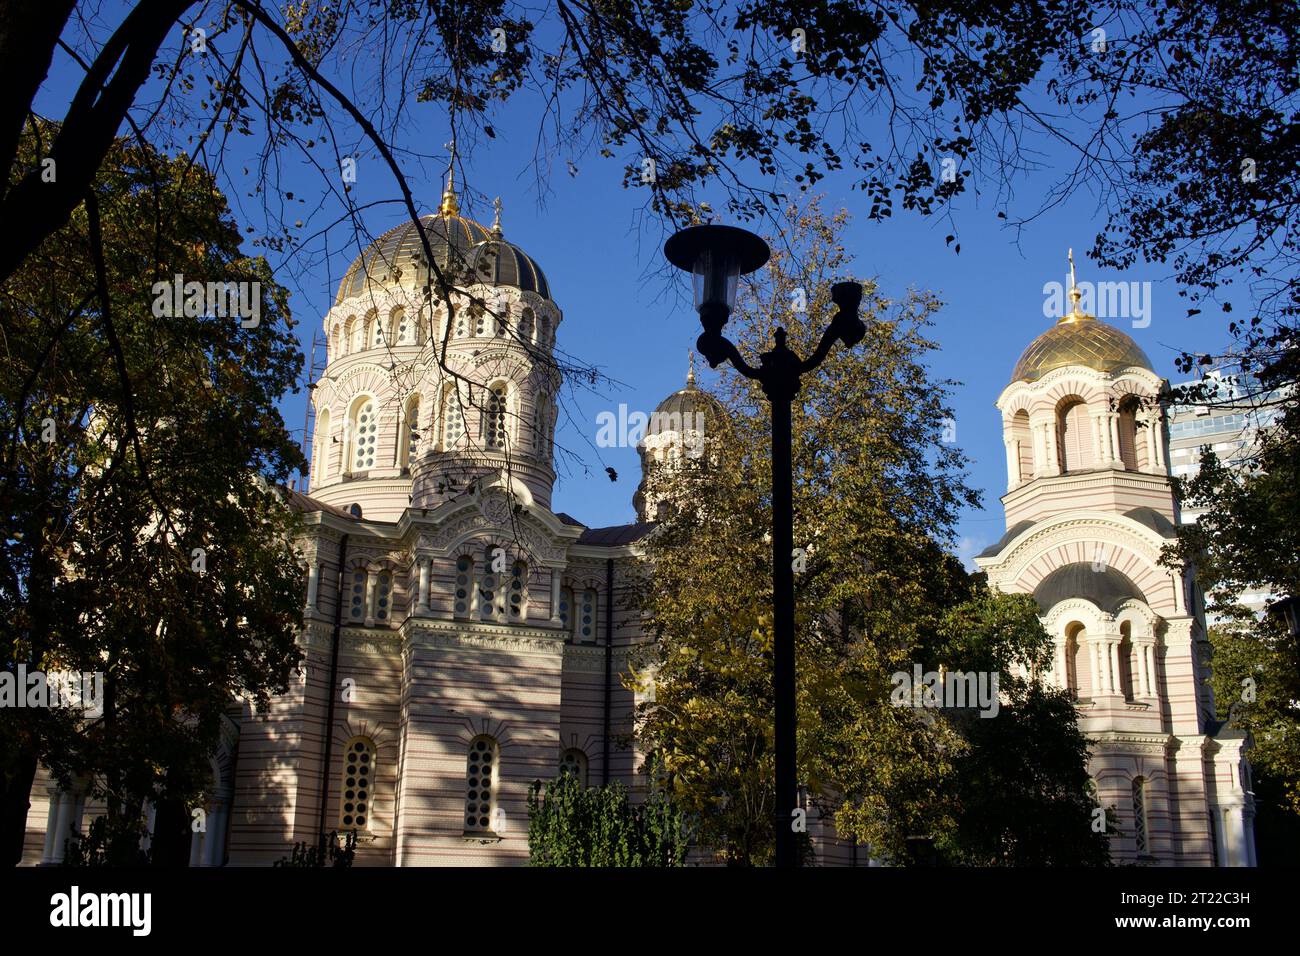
x=1154 y=520
x=1106 y=588
x=457 y=243
x=498 y=262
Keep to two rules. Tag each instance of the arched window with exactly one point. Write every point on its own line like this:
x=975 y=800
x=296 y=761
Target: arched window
x=494 y=418
x=566 y=609
x=543 y=332
x=364 y=434
x=1128 y=433
x=1126 y=665
x=357 y=599
x=1077 y=661
x=1023 y=452
x=500 y=316
x=358 y=783
x=352 y=333
x=1140 y=814
x=573 y=763
x=481 y=779
x=491 y=597
x=526 y=326
x=320 y=439
x=453 y=418
x=518 y=595
x=481 y=324
x=1073 y=436
x=585 y=632
x=464 y=584
x=336 y=341
x=375 y=331
x=539 y=426
x=458 y=317
x=409 y=440
x=383 y=595
x=403 y=328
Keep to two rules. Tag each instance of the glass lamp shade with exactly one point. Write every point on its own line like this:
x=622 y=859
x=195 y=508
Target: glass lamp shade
x=716 y=257
x=714 y=277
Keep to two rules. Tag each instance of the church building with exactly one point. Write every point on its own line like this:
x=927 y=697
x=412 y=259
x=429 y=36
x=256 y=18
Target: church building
x=476 y=639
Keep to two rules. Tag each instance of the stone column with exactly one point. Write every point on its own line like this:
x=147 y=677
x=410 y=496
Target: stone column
x=1062 y=666
x=1149 y=655
x=1143 y=675
x=372 y=579
x=1116 y=685
x=1112 y=422
x=555 y=597
x=51 y=823
x=313 y=584
x=214 y=844
x=1053 y=463
x=422 y=597
x=1013 y=462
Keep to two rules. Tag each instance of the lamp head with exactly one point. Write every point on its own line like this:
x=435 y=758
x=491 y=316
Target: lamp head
x=849 y=328
x=716 y=257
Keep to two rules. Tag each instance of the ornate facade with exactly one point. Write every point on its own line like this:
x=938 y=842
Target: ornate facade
x=1089 y=508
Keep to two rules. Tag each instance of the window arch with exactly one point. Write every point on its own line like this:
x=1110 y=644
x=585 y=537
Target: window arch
x=585 y=625
x=494 y=418
x=352 y=332
x=453 y=418
x=543 y=332
x=481 y=781
x=1140 y=814
x=573 y=763
x=1077 y=663
x=464 y=585
x=566 y=610
x=526 y=326
x=383 y=596
x=1073 y=436
x=320 y=439
x=491 y=591
x=1128 y=433
x=404 y=328
x=336 y=340
x=408 y=441
x=1023 y=446
x=539 y=426
x=357 y=596
x=375 y=337
x=517 y=597
x=481 y=324
x=1127 y=686
x=363 y=434
x=458 y=317
x=358 y=784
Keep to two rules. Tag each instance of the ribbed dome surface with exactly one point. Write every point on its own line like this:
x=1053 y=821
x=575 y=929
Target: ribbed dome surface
x=1079 y=340
x=690 y=401
x=457 y=243
x=498 y=262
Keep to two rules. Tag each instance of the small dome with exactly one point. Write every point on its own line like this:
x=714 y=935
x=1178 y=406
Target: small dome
x=501 y=263
x=1079 y=339
x=457 y=243
x=690 y=401
x=1107 y=588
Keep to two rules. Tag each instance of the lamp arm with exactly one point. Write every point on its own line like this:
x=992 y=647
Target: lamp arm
x=727 y=350
x=823 y=349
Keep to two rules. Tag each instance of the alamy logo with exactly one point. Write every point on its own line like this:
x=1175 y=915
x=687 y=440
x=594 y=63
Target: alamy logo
x=627 y=430
x=949 y=689
x=73 y=909
x=1104 y=300
x=223 y=300
x=35 y=688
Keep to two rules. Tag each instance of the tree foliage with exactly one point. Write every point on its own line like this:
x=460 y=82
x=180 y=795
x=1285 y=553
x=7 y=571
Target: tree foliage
x=143 y=537
x=876 y=494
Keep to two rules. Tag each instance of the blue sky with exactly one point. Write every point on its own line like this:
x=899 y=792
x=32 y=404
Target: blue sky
x=602 y=258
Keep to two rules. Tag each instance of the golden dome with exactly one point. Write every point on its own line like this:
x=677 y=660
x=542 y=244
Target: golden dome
x=1079 y=339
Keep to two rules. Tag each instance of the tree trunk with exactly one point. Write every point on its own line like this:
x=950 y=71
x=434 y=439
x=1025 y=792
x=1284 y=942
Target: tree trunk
x=15 y=801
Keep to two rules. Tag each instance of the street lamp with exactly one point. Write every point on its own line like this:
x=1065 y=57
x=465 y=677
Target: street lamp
x=717 y=256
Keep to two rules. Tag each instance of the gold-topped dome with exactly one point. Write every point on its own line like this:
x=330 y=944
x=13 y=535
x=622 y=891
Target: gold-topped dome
x=1079 y=339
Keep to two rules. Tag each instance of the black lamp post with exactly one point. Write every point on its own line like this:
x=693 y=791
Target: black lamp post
x=717 y=256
